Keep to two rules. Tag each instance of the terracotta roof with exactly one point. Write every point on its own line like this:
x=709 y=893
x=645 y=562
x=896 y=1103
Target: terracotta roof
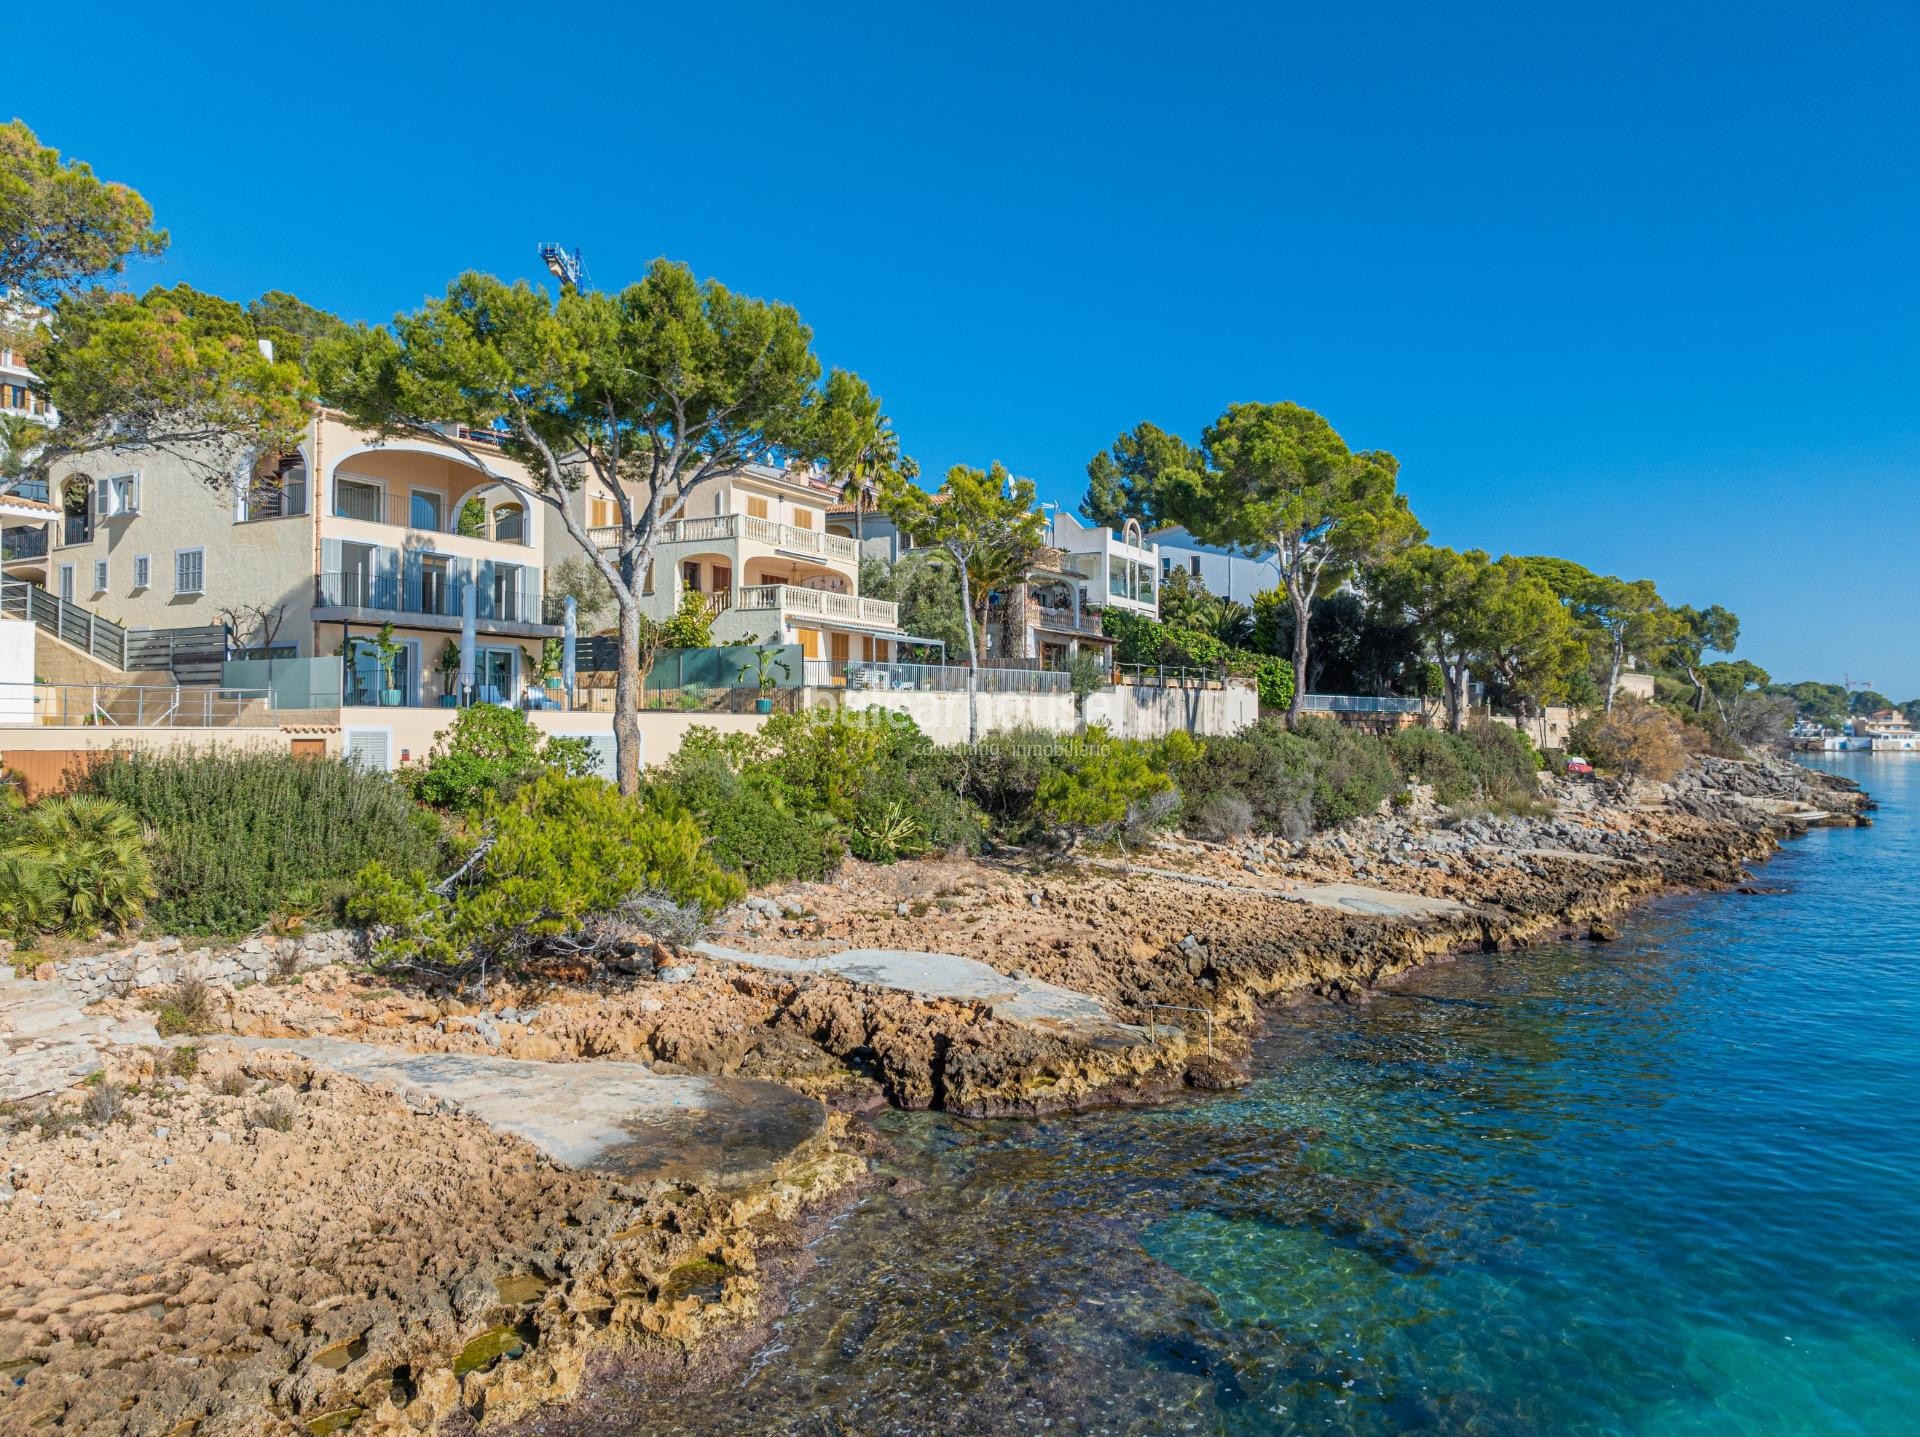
x=15 y=501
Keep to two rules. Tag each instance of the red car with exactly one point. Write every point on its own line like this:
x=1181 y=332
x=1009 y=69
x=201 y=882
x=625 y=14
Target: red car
x=1578 y=767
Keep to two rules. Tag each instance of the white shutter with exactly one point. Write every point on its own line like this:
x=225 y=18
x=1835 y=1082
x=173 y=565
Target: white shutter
x=142 y=571
x=99 y=576
x=368 y=748
x=600 y=746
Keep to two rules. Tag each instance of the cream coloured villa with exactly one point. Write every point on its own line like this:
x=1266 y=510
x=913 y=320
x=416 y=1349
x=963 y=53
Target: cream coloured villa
x=753 y=542
x=331 y=542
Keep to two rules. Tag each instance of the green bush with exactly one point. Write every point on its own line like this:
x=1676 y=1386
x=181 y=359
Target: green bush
x=751 y=828
x=563 y=852
x=1100 y=785
x=1433 y=756
x=235 y=832
x=92 y=861
x=489 y=752
x=1352 y=774
x=1265 y=767
x=1002 y=773
x=26 y=899
x=1140 y=640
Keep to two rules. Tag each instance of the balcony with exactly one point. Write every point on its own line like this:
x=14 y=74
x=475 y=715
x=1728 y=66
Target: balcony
x=791 y=599
x=730 y=528
x=23 y=543
x=437 y=596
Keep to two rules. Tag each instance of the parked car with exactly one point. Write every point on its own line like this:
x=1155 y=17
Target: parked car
x=1578 y=767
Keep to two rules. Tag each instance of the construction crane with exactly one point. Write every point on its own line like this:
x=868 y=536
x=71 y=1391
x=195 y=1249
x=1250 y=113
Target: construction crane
x=565 y=267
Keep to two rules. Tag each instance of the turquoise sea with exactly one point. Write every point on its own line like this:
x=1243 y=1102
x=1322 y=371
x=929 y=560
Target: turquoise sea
x=1666 y=1186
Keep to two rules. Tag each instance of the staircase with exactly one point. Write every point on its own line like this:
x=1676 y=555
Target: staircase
x=192 y=655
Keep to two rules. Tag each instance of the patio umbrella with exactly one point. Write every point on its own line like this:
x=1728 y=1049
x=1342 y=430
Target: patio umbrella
x=467 y=622
x=569 y=640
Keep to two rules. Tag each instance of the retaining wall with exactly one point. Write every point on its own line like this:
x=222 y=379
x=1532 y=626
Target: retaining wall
x=159 y=962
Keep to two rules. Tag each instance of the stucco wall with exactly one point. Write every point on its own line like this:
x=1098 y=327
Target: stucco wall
x=1128 y=712
x=1136 y=711
x=412 y=731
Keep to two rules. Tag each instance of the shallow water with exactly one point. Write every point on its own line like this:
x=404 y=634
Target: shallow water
x=1660 y=1187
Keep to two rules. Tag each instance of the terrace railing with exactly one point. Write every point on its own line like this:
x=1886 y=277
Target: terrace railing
x=24 y=705
x=1359 y=704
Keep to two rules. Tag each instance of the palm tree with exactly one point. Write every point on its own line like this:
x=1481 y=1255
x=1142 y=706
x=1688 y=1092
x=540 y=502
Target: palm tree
x=95 y=858
x=862 y=448
x=1232 y=622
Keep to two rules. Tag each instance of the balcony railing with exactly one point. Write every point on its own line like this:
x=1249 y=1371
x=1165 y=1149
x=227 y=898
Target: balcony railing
x=24 y=705
x=866 y=674
x=363 y=589
x=792 y=599
x=725 y=528
x=1358 y=704
x=24 y=543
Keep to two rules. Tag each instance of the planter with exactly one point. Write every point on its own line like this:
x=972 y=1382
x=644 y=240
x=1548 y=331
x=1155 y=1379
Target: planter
x=391 y=698
x=763 y=706
x=449 y=701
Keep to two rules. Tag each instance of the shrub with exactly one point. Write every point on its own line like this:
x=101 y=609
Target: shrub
x=751 y=828
x=1220 y=817
x=1434 y=756
x=1352 y=774
x=93 y=861
x=27 y=901
x=234 y=833
x=1266 y=767
x=187 y=1008
x=1098 y=783
x=1002 y=773
x=1505 y=763
x=489 y=752
x=565 y=853
x=1638 y=739
x=1140 y=640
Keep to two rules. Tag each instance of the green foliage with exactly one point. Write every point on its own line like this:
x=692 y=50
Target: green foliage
x=691 y=626
x=1352 y=772
x=1265 y=767
x=489 y=751
x=751 y=825
x=92 y=859
x=1140 y=640
x=1432 y=756
x=562 y=852
x=61 y=227
x=1098 y=784
x=174 y=370
x=27 y=899
x=928 y=593
x=1636 y=739
x=579 y=580
x=1002 y=774
x=233 y=831
x=857 y=442
x=471 y=522
x=1124 y=481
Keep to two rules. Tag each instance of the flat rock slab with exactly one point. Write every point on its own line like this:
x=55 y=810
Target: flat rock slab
x=618 y=1118
x=938 y=975
x=1373 y=902
x=47 y=1043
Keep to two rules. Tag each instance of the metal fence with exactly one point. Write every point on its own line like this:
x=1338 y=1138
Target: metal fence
x=1358 y=704
x=933 y=678
x=1168 y=676
x=192 y=655
x=25 y=705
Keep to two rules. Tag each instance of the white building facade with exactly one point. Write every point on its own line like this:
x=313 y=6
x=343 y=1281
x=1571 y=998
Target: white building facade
x=1226 y=573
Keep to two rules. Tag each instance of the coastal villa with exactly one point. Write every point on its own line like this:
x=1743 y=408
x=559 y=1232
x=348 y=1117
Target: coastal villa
x=1050 y=618
x=755 y=544
x=306 y=556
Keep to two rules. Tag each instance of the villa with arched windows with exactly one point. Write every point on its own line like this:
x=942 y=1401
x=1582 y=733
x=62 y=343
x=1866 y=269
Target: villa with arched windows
x=312 y=553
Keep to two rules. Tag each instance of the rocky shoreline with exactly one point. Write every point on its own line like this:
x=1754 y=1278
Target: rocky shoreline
x=224 y=1252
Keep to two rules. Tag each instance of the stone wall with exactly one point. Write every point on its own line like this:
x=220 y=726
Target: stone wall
x=1130 y=711
x=159 y=962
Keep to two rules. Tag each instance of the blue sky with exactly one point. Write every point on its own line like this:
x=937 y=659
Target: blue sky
x=1632 y=285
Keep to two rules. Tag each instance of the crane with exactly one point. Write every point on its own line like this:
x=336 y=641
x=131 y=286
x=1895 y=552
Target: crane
x=565 y=267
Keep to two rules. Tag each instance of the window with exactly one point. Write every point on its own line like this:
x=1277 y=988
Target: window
x=1166 y=567
x=690 y=576
x=142 y=571
x=66 y=582
x=436 y=585
x=354 y=500
x=756 y=507
x=1196 y=566
x=506 y=592
x=118 y=495
x=99 y=576
x=803 y=518
x=189 y=571
x=424 y=511
x=509 y=524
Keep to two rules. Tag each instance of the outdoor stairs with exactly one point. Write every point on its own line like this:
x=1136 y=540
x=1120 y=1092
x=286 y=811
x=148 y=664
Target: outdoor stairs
x=193 y=655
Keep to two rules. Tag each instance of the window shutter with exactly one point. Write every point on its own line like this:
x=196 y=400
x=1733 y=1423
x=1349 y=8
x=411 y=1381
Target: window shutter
x=410 y=581
x=133 y=494
x=530 y=595
x=332 y=584
x=368 y=748
x=142 y=571
x=485 y=588
x=462 y=574
x=601 y=751
x=387 y=586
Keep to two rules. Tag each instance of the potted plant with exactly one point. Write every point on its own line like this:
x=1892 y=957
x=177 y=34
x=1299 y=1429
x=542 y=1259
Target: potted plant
x=386 y=651
x=449 y=671
x=551 y=659
x=765 y=662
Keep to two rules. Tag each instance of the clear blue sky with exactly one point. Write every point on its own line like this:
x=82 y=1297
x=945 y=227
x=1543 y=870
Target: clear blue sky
x=1636 y=285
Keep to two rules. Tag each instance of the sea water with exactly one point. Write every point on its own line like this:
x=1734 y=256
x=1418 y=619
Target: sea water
x=1669 y=1185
